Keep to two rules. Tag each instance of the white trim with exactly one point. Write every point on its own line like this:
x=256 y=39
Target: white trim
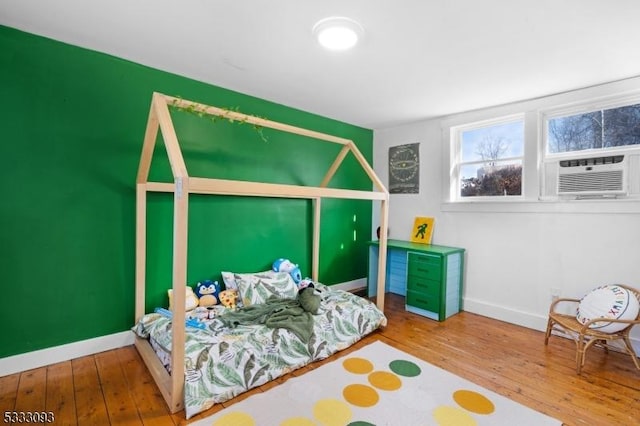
x=43 y=357
x=550 y=206
x=48 y=356
x=522 y=318
x=359 y=284
x=592 y=105
x=502 y=313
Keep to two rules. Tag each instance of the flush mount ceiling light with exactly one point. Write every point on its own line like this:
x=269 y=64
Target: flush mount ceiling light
x=337 y=33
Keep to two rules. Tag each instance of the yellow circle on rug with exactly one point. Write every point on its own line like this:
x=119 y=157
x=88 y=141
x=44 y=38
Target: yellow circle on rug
x=453 y=416
x=332 y=412
x=235 y=418
x=360 y=395
x=384 y=380
x=298 y=421
x=473 y=401
x=357 y=365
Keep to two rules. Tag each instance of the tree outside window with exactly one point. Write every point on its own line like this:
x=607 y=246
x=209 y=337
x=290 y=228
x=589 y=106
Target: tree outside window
x=603 y=129
x=491 y=159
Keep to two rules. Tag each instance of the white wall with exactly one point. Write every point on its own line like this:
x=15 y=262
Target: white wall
x=517 y=252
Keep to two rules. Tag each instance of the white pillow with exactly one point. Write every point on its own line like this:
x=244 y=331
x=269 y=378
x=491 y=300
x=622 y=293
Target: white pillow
x=608 y=302
x=229 y=279
x=257 y=288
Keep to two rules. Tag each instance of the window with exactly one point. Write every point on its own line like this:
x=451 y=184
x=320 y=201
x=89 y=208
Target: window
x=490 y=157
x=602 y=129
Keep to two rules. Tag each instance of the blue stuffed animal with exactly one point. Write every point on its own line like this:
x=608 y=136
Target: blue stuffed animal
x=285 y=265
x=208 y=292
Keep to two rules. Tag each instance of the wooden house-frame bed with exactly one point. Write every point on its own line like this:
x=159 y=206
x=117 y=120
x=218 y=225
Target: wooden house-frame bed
x=172 y=385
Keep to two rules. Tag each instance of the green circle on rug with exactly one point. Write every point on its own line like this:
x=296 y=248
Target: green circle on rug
x=404 y=368
x=360 y=423
x=473 y=401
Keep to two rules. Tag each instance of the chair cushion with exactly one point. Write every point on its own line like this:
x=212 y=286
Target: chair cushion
x=608 y=302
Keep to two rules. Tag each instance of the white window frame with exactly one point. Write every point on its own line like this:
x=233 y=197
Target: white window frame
x=456 y=159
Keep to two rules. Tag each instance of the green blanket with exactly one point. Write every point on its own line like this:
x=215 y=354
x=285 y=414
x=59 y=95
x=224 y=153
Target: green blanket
x=275 y=313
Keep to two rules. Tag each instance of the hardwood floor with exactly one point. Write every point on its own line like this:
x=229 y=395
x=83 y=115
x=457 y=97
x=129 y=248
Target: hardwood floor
x=115 y=387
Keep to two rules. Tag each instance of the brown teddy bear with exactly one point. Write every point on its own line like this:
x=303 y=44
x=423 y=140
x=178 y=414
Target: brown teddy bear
x=229 y=298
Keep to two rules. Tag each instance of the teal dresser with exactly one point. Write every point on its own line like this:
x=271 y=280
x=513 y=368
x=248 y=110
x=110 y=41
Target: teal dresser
x=429 y=276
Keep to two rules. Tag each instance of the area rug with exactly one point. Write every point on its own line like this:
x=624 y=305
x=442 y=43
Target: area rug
x=377 y=385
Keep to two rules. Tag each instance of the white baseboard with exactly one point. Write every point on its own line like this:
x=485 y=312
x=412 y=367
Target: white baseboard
x=502 y=313
x=40 y=358
x=358 y=284
x=522 y=318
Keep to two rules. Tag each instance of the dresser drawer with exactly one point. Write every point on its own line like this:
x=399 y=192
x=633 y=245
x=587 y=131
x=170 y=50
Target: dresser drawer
x=426 y=302
x=428 y=276
x=424 y=286
x=424 y=266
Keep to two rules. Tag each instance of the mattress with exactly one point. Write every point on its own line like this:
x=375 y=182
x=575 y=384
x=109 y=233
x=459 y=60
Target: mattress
x=222 y=362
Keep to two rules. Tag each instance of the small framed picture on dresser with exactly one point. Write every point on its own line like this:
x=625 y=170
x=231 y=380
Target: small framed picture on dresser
x=422 y=230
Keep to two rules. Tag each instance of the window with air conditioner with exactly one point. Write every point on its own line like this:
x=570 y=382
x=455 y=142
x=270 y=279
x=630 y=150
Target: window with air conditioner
x=592 y=152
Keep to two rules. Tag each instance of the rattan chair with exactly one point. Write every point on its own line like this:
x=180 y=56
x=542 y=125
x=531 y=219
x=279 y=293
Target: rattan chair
x=584 y=336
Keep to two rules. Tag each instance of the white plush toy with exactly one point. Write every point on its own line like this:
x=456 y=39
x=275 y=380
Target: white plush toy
x=191 y=300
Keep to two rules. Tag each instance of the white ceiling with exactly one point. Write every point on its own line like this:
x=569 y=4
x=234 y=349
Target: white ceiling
x=419 y=58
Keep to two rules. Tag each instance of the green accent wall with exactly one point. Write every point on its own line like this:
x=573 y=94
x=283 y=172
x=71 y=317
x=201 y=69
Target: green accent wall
x=72 y=125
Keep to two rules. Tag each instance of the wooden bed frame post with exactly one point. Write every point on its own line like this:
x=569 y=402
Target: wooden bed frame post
x=315 y=263
x=178 y=339
x=141 y=249
x=172 y=386
x=150 y=135
x=382 y=254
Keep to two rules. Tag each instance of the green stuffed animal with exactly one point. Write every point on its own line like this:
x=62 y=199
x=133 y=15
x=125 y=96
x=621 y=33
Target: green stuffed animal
x=309 y=300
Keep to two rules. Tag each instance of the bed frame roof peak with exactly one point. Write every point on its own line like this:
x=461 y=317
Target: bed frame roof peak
x=160 y=118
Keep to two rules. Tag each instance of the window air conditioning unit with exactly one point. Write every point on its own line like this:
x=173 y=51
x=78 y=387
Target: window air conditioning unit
x=593 y=177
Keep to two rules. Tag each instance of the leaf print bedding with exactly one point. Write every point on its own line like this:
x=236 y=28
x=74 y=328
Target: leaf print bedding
x=222 y=362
